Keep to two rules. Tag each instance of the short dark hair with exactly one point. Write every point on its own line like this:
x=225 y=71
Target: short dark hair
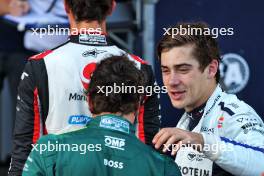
x=118 y=70
x=90 y=10
x=205 y=46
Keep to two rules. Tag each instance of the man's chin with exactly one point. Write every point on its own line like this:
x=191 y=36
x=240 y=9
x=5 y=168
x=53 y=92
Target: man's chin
x=178 y=105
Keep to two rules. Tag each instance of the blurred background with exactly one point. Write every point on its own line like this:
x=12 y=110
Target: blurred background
x=137 y=26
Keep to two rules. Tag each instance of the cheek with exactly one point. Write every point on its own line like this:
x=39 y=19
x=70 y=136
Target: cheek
x=165 y=79
x=196 y=88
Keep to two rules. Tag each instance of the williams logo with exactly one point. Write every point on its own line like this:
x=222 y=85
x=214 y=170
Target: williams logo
x=79 y=119
x=234 y=73
x=93 y=53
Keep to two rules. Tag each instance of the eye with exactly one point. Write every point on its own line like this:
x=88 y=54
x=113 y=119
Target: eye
x=165 y=70
x=184 y=70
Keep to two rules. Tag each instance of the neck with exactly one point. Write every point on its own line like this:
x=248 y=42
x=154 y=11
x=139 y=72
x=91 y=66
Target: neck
x=130 y=117
x=93 y=25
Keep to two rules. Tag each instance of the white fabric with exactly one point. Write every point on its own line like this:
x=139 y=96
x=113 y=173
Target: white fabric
x=244 y=127
x=63 y=63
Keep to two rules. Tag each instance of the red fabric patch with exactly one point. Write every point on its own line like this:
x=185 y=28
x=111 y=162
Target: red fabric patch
x=40 y=55
x=87 y=72
x=138 y=59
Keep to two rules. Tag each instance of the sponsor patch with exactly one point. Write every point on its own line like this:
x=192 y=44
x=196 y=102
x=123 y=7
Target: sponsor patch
x=113 y=164
x=93 y=53
x=93 y=39
x=193 y=156
x=79 y=119
x=194 y=171
x=114 y=124
x=114 y=142
x=206 y=129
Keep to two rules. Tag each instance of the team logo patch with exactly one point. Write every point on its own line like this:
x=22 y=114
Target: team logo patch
x=234 y=72
x=114 y=124
x=114 y=142
x=79 y=119
x=93 y=53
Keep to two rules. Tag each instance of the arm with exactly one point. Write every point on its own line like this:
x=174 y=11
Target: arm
x=237 y=152
x=150 y=111
x=41 y=160
x=35 y=164
x=171 y=168
x=241 y=150
x=24 y=123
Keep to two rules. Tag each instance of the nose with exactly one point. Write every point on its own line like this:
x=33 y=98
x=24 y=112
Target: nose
x=174 y=79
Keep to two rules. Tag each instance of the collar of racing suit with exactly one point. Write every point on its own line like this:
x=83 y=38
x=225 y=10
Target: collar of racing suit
x=195 y=115
x=113 y=123
x=91 y=39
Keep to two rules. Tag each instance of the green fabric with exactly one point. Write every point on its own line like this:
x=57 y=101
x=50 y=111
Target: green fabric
x=116 y=152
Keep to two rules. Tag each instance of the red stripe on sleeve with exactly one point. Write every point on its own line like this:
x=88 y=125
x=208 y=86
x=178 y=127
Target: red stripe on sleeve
x=36 y=132
x=141 y=132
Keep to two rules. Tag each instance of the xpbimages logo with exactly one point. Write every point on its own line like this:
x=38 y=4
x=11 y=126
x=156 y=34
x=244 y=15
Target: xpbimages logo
x=56 y=30
x=124 y=89
x=182 y=30
x=60 y=147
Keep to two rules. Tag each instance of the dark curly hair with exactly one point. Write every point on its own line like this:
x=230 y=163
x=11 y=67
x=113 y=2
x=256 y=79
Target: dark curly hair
x=205 y=46
x=118 y=70
x=90 y=10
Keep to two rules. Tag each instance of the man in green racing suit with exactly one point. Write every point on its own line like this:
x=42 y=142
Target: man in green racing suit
x=108 y=145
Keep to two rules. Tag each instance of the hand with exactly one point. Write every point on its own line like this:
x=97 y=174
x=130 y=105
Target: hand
x=176 y=138
x=18 y=7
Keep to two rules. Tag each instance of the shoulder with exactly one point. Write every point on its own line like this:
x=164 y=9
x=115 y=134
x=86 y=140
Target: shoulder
x=233 y=106
x=138 y=59
x=40 y=55
x=237 y=116
x=50 y=138
x=47 y=53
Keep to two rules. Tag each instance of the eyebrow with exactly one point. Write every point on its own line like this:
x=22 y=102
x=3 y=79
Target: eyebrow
x=182 y=65
x=178 y=66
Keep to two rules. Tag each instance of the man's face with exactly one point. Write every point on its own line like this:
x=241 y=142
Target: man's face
x=186 y=83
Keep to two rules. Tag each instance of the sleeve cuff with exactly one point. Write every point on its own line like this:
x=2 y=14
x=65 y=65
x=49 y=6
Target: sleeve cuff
x=211 y=148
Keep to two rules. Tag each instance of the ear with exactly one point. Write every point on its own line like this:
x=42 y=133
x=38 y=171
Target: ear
x=212 y=68
x=113 y=7
x=66 y=7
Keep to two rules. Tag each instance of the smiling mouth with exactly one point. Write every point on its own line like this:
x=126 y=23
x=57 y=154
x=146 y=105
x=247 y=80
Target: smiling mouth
x=177 y=95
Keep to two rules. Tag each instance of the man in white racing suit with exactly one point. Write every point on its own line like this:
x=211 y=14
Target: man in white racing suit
x=218 y=133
